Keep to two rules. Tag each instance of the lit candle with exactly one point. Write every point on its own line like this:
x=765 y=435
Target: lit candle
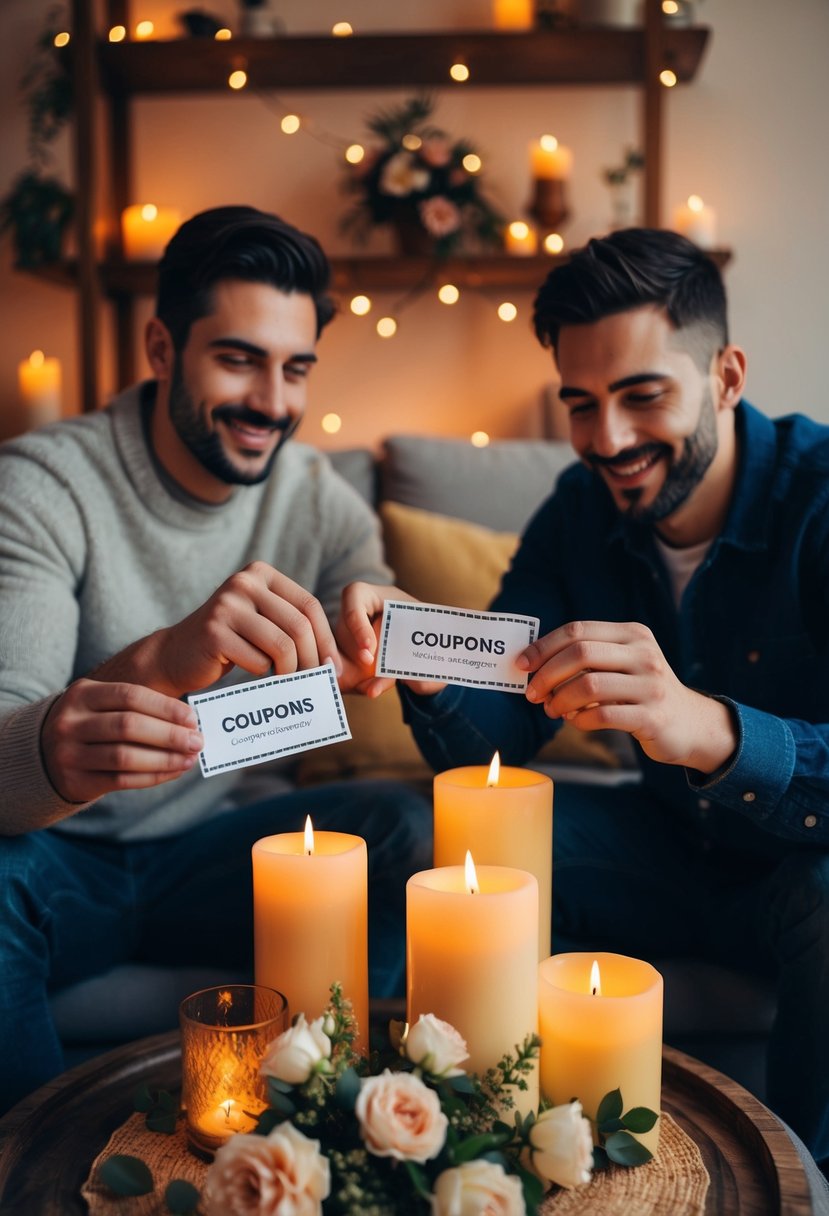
x=549 y=159
x=697 y=221
x=505 y=817
x=601 y=1029
x=146 y=229
x=513 y=14
x=39 y=381
x=225 y=1121
x=310 y=910
x=472 y=959
x=520 y=239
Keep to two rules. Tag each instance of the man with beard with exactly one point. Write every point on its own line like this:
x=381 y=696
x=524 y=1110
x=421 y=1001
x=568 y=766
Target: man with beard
x=681 y=576
x=146 y=552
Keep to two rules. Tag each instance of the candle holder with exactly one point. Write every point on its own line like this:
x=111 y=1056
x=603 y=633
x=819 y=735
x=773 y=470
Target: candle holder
x=225 y=1033
x=548 y=204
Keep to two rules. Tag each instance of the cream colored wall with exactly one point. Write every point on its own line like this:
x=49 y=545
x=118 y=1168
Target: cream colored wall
x=744 y=135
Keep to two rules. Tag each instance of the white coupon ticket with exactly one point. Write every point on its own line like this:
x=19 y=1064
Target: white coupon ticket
x=250 y=723
x=431 y=642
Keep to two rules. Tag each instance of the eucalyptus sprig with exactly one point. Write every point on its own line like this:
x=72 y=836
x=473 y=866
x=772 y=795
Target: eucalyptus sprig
x=616 y=1141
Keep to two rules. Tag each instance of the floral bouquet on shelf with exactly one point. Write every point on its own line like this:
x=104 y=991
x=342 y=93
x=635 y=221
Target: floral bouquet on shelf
x=409 y=1133
x=422 y=183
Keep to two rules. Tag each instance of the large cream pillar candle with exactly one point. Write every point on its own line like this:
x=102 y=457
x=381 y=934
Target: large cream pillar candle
x=697 y=221
x=549 y=159
x=310 y=913
x=146 y=230
x=39 y=380
x=504 y=816
x=472 y=960
x=593 y=1042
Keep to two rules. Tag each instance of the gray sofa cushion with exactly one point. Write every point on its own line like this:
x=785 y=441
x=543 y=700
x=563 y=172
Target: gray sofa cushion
x=499 y=486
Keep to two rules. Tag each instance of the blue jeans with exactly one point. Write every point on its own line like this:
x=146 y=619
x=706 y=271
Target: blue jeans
x=629 y=877
x=72 y=907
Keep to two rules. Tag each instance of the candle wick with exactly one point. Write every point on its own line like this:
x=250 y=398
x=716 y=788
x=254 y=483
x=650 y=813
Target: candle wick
x=594 y=991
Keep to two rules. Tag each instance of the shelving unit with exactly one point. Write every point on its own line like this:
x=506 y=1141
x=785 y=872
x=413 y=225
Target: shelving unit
x=123 y=71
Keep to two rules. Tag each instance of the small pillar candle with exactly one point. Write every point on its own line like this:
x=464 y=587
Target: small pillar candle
x=520 y=239
x=601 y=1033
x=310 y=916
x=504 y=816
x=549 y=159
x=697 y=221
x=146 y=229
x=39 y=381
x=472 y=960
x=513 y=14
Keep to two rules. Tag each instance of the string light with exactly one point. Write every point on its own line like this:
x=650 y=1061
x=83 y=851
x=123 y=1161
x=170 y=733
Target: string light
x=223 y=35
x=62 y=39
x=342 y=29
x=360 y=305
x=507 y=311
x=479 y=439
x=411 y=142
x=459 y=72
x=386 y=327
x=331 y=423
x=448 y=294
x=472 y=162
x=237 y=79
x=144 y=29
x=668 y=78
x=290 y=124
x=553 y=242
x=670 y=7
x=118 y=33
x=354 y=153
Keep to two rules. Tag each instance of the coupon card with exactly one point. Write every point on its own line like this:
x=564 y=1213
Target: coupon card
x=250 y=723
x=431 y=642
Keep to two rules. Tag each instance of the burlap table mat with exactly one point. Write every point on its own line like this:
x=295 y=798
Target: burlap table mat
x=673 y=1184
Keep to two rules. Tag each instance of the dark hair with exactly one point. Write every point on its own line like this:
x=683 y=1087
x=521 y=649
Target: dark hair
x=629 y=269
x=237 y=243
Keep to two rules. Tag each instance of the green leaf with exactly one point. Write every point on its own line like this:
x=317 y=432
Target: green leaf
x=639 y=1119
x=347 y=1089
x=610 y=1107
x=462 y=1084
x=126 y=1175
x=142 y=1099
x=612 y=1125
x=418 y=1180
x=533 y=1189
x=161 y=1121
x=281 y=1103
x=474 y=1146
x=268 y=1120
x=624 y=1150
x=166 y=1101
x=600 y=1161
x=181 y=1197
x=283 y=1087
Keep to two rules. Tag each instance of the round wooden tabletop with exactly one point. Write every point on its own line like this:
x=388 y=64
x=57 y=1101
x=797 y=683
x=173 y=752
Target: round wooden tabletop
x=48 y=1141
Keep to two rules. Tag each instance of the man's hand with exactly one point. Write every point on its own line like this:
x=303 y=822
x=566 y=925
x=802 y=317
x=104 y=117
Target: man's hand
x=257 y=619
x=99 y=737
x=357 y=632
x=601 y=675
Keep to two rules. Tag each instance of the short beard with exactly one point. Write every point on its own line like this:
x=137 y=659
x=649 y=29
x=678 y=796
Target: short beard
x=206 y=445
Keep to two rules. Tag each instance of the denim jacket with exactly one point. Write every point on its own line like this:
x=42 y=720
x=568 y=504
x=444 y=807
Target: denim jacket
x=752 y=629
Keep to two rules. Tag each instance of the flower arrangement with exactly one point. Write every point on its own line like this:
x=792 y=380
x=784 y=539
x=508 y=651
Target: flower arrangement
x=422 y=182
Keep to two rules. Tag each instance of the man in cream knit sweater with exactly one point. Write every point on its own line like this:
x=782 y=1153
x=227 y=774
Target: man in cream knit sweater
x=146 y=552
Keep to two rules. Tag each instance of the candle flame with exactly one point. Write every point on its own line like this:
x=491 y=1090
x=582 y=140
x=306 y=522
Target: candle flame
x=149 y=212
x=549 y=143
x=470 y=875
x=494 y=771
x=309 y=835
x=226 y=1107
x=595 y=979
x=695 y=202
x=37 y=358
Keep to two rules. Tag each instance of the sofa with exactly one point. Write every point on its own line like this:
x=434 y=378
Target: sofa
x=451 y=514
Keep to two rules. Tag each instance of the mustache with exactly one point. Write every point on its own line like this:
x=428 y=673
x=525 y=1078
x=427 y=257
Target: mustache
x=626 y=457
x=249 y=417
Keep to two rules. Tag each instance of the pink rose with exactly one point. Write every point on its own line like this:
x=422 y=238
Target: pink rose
x=561 y=1142
x=436 y=1047
x=478 y=1188
x=439 y=215
x=282 y=1174
x=400 y=1117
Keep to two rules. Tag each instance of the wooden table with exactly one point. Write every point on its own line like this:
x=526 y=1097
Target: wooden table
x=48 y=1142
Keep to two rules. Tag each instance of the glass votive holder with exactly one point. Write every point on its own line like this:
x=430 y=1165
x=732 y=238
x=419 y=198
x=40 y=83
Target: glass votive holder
x=225 y=1033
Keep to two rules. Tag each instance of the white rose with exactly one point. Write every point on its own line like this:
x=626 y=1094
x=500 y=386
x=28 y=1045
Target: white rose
x=478 y=1188
x=436 y=1046
x=401 y=175
x=282 y=1174
x=562 y=1145
x=400 y=1117
x=297 y=1052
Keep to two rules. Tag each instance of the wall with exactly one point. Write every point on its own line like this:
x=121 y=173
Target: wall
x=744 y=135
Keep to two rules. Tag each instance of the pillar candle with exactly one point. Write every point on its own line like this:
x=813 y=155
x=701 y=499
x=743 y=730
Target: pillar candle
x=146 y=229
x=520 y=239
x=592 y=1044
x=472 y=960
x=697 y=221
x=310 y=915
x=508 y=823
x=550 y=159
x=513 y=14
x=39 y=381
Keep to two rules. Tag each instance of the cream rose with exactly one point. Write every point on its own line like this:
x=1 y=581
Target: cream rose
x=298 y=1052
x=478 y=1188
x=400 y=1117
x=436 y=1047
x=562 y=1145
x=282 y=1174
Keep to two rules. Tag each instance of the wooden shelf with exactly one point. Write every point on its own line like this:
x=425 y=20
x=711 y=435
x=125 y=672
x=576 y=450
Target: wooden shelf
x=539 y=57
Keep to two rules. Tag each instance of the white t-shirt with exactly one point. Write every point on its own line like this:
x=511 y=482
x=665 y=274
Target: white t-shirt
x=681 y=563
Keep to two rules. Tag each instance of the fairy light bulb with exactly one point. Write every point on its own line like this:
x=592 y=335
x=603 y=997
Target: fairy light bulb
x=479 y=439
x=117 y=33
x=553 y=242
x=223 y=35
x=62 y=39
x=360 y=305
x=507 y=311
x=472 y=162
x=667 y=77
x=331 y=423
x=448 y=294
x=386 y=327
x=237 y=79
x=342 y=29
x=354 y=153
x=459 y=72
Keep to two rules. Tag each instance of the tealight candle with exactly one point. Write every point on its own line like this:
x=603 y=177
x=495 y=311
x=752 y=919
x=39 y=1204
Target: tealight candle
x=600 y=1021
x=549 y=159
x=146 y=229
x=697 y=221
x=39 y=381
x=520 y=239
x=310 y=915
x=504 y=816
x=472 y=959
x=513 y=14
